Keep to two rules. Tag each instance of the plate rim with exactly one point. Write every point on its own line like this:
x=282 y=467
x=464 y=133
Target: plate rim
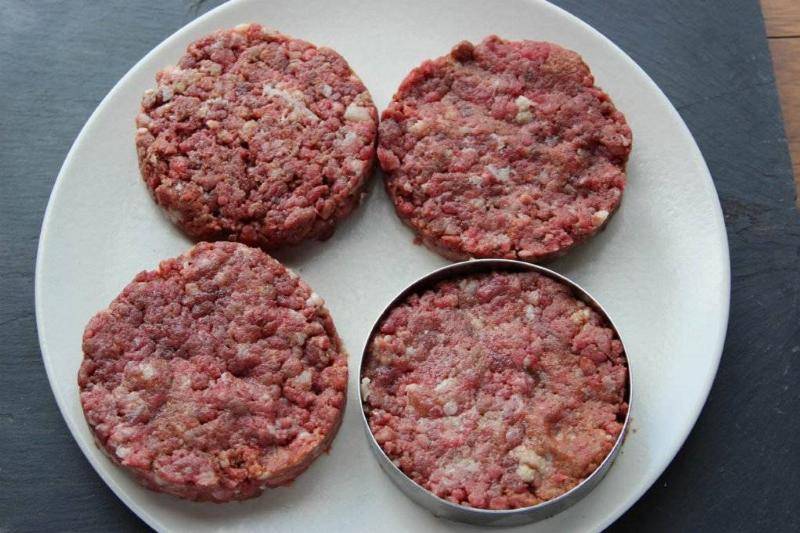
x=723 y=297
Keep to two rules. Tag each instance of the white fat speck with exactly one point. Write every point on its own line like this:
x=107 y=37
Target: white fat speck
x=349 y=138
x=523 y=110
x=490 y=423
x=419 y=127
x=148 y=372
x=475 y=181
x=499 y=140
x=478 y=203
x=460 y=468
x=241 y=28
x=513 y=433
x=249 y=127
x=304 y=378
x=523 y=117
x=530 y=312
x=580 y=316
x=471 y=287
x=598 y=217
x=357 y=113
x=450 y=408
x=365 y=388
x=207 y=478
x=327 y=90
x=523 y=103
x=136 y=413
x=525 y=473
x=268 y=31
x=356 y=165
x=295 y=103
x=532 y=297
x=180 y=86
x=502 y=174
x=123 y=432
x=142 y=130
x=296 y=315
x=221 y=277
x=167 y=94
x=529 y=457
x=213 y=124
x=123 y=452
x=215 y=69
x=499 y=240
x=315 y=300
x=445 y=384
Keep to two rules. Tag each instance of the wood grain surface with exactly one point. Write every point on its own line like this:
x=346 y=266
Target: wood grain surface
x=782 y=20
x=739 y=469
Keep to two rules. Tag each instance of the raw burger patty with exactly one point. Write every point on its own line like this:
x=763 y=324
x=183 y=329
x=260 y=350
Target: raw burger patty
x=257 y=137
x=495 y=391
x=504 y=149
x=214 y=376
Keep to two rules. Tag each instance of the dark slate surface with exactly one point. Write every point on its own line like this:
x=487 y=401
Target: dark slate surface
x=739 y=470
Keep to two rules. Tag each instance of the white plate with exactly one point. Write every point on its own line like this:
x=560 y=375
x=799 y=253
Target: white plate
x=661 y=268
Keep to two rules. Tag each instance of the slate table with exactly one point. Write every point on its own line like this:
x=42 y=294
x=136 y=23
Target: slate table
x=739 y=469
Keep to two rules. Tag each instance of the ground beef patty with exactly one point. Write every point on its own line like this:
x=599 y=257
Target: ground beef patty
x=496 y=391
x=215 y=375
x=257 y=137
x=504 y=149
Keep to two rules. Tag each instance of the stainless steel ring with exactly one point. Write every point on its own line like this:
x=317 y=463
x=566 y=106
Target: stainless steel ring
x=451 y=511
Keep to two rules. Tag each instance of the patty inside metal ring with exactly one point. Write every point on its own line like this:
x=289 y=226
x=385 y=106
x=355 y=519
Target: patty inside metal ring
x=496 y=391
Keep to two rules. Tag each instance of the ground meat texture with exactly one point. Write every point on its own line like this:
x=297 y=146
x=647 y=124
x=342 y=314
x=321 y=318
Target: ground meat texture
x=214 y=376
x=257 y=137
x=503 y=149
x=495 y=391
